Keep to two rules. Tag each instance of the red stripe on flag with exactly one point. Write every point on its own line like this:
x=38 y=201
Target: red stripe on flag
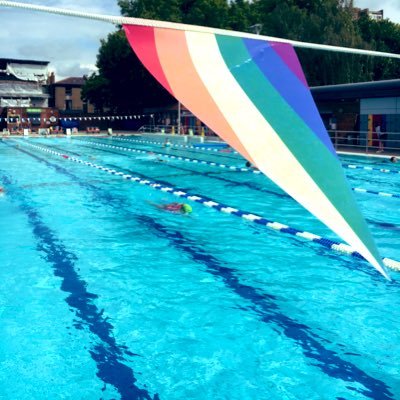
x=143 y=43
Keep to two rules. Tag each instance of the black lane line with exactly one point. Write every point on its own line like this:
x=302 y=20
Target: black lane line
x=107 y=354
x=292 y=329
x=266 y=307
x=55 y=184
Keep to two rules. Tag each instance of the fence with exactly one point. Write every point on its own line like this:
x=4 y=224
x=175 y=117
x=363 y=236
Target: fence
x=173 y=129
x=357 y=141
x=366 y=141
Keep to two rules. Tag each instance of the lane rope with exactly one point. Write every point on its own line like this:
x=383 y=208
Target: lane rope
x=349 y=166
x=188 y=159
x=186 y=146
x=277 y=226
x=384 y=170
x=215 y=164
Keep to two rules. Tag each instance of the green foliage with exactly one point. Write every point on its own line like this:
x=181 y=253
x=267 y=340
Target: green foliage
x=122 y=84
x=382 y=36
x=163 y=10
x=319 y=21
x=213 y=13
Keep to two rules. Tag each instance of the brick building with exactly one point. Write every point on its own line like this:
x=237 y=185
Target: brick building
x=66 y=96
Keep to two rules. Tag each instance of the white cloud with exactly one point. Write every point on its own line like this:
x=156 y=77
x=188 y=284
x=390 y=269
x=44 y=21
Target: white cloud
x=70 y=44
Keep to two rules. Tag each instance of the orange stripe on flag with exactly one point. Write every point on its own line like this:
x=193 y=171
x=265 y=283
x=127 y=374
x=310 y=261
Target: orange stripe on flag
x=187 y=86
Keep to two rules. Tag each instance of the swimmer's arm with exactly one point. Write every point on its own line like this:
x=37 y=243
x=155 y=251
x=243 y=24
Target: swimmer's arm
x=155 y=204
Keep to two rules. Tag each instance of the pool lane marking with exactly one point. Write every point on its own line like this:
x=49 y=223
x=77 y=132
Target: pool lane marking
x=330 y=362
x=384 y=170
x=288 y=331
x=267 y=308
x=173 y=157
x=351 y=166
x=185 y=146
x=215 y=164
x=328 y=243
x=107 y=354
x=262 y=190
x=382 y=194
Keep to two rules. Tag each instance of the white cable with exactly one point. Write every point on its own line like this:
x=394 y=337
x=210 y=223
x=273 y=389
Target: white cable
x=171 y=25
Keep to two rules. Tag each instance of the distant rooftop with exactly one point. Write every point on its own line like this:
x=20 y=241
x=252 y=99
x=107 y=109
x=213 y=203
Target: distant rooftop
x=5 y=61
x=75 y=81
x=388 y=88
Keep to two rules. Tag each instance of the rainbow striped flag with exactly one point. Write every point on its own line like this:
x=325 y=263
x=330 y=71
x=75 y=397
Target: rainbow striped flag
x=254 y=95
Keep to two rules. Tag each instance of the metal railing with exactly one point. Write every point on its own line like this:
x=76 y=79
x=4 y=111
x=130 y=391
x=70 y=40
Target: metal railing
x=173 y=129
x=366 y=141
x=352 y=141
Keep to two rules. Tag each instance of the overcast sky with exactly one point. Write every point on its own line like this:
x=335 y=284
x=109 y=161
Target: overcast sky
x=391 y=8
x=71 y=44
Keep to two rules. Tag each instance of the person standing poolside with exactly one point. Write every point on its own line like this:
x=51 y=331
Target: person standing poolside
x=382 y=137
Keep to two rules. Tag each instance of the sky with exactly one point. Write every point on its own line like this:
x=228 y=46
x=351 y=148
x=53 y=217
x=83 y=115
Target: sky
x=391 y=8
x=71 y=44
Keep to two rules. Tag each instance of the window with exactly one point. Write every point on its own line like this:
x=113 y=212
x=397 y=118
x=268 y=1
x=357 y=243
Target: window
x=68 y=104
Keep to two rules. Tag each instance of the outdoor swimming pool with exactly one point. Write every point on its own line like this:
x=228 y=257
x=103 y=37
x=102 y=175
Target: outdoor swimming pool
x=105 y=296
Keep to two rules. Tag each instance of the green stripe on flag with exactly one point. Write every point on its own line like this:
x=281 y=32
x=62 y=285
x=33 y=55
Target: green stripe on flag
x=311 y=153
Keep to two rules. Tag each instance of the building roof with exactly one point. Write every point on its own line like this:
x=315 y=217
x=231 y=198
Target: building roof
x=75 y=81
x=5 y=61
x=389 y=88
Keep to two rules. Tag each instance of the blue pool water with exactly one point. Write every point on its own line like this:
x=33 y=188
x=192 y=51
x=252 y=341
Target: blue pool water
x=105 y=296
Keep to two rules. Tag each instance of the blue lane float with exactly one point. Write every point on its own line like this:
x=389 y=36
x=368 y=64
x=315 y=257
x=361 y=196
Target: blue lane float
x=204 y=146
x=384 y=170
x=208 y=148
x=215 y=164
x=277 y=226
x=173 y=157
x=218 y=146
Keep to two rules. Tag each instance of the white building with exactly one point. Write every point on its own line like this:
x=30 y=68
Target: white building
x=22 y=83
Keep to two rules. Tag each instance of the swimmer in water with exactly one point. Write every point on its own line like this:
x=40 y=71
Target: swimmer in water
x=167 y=143
x=181 y=208
x=250 y=165
x=393 y=159
x=2 y=191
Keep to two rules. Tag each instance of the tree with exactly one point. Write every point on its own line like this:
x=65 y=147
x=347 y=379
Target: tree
x=242 y=16
x=382 y=36
x=164 y=10
x=121 y=83
x=320 y=21
x=213 y=13
x=317 y=21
